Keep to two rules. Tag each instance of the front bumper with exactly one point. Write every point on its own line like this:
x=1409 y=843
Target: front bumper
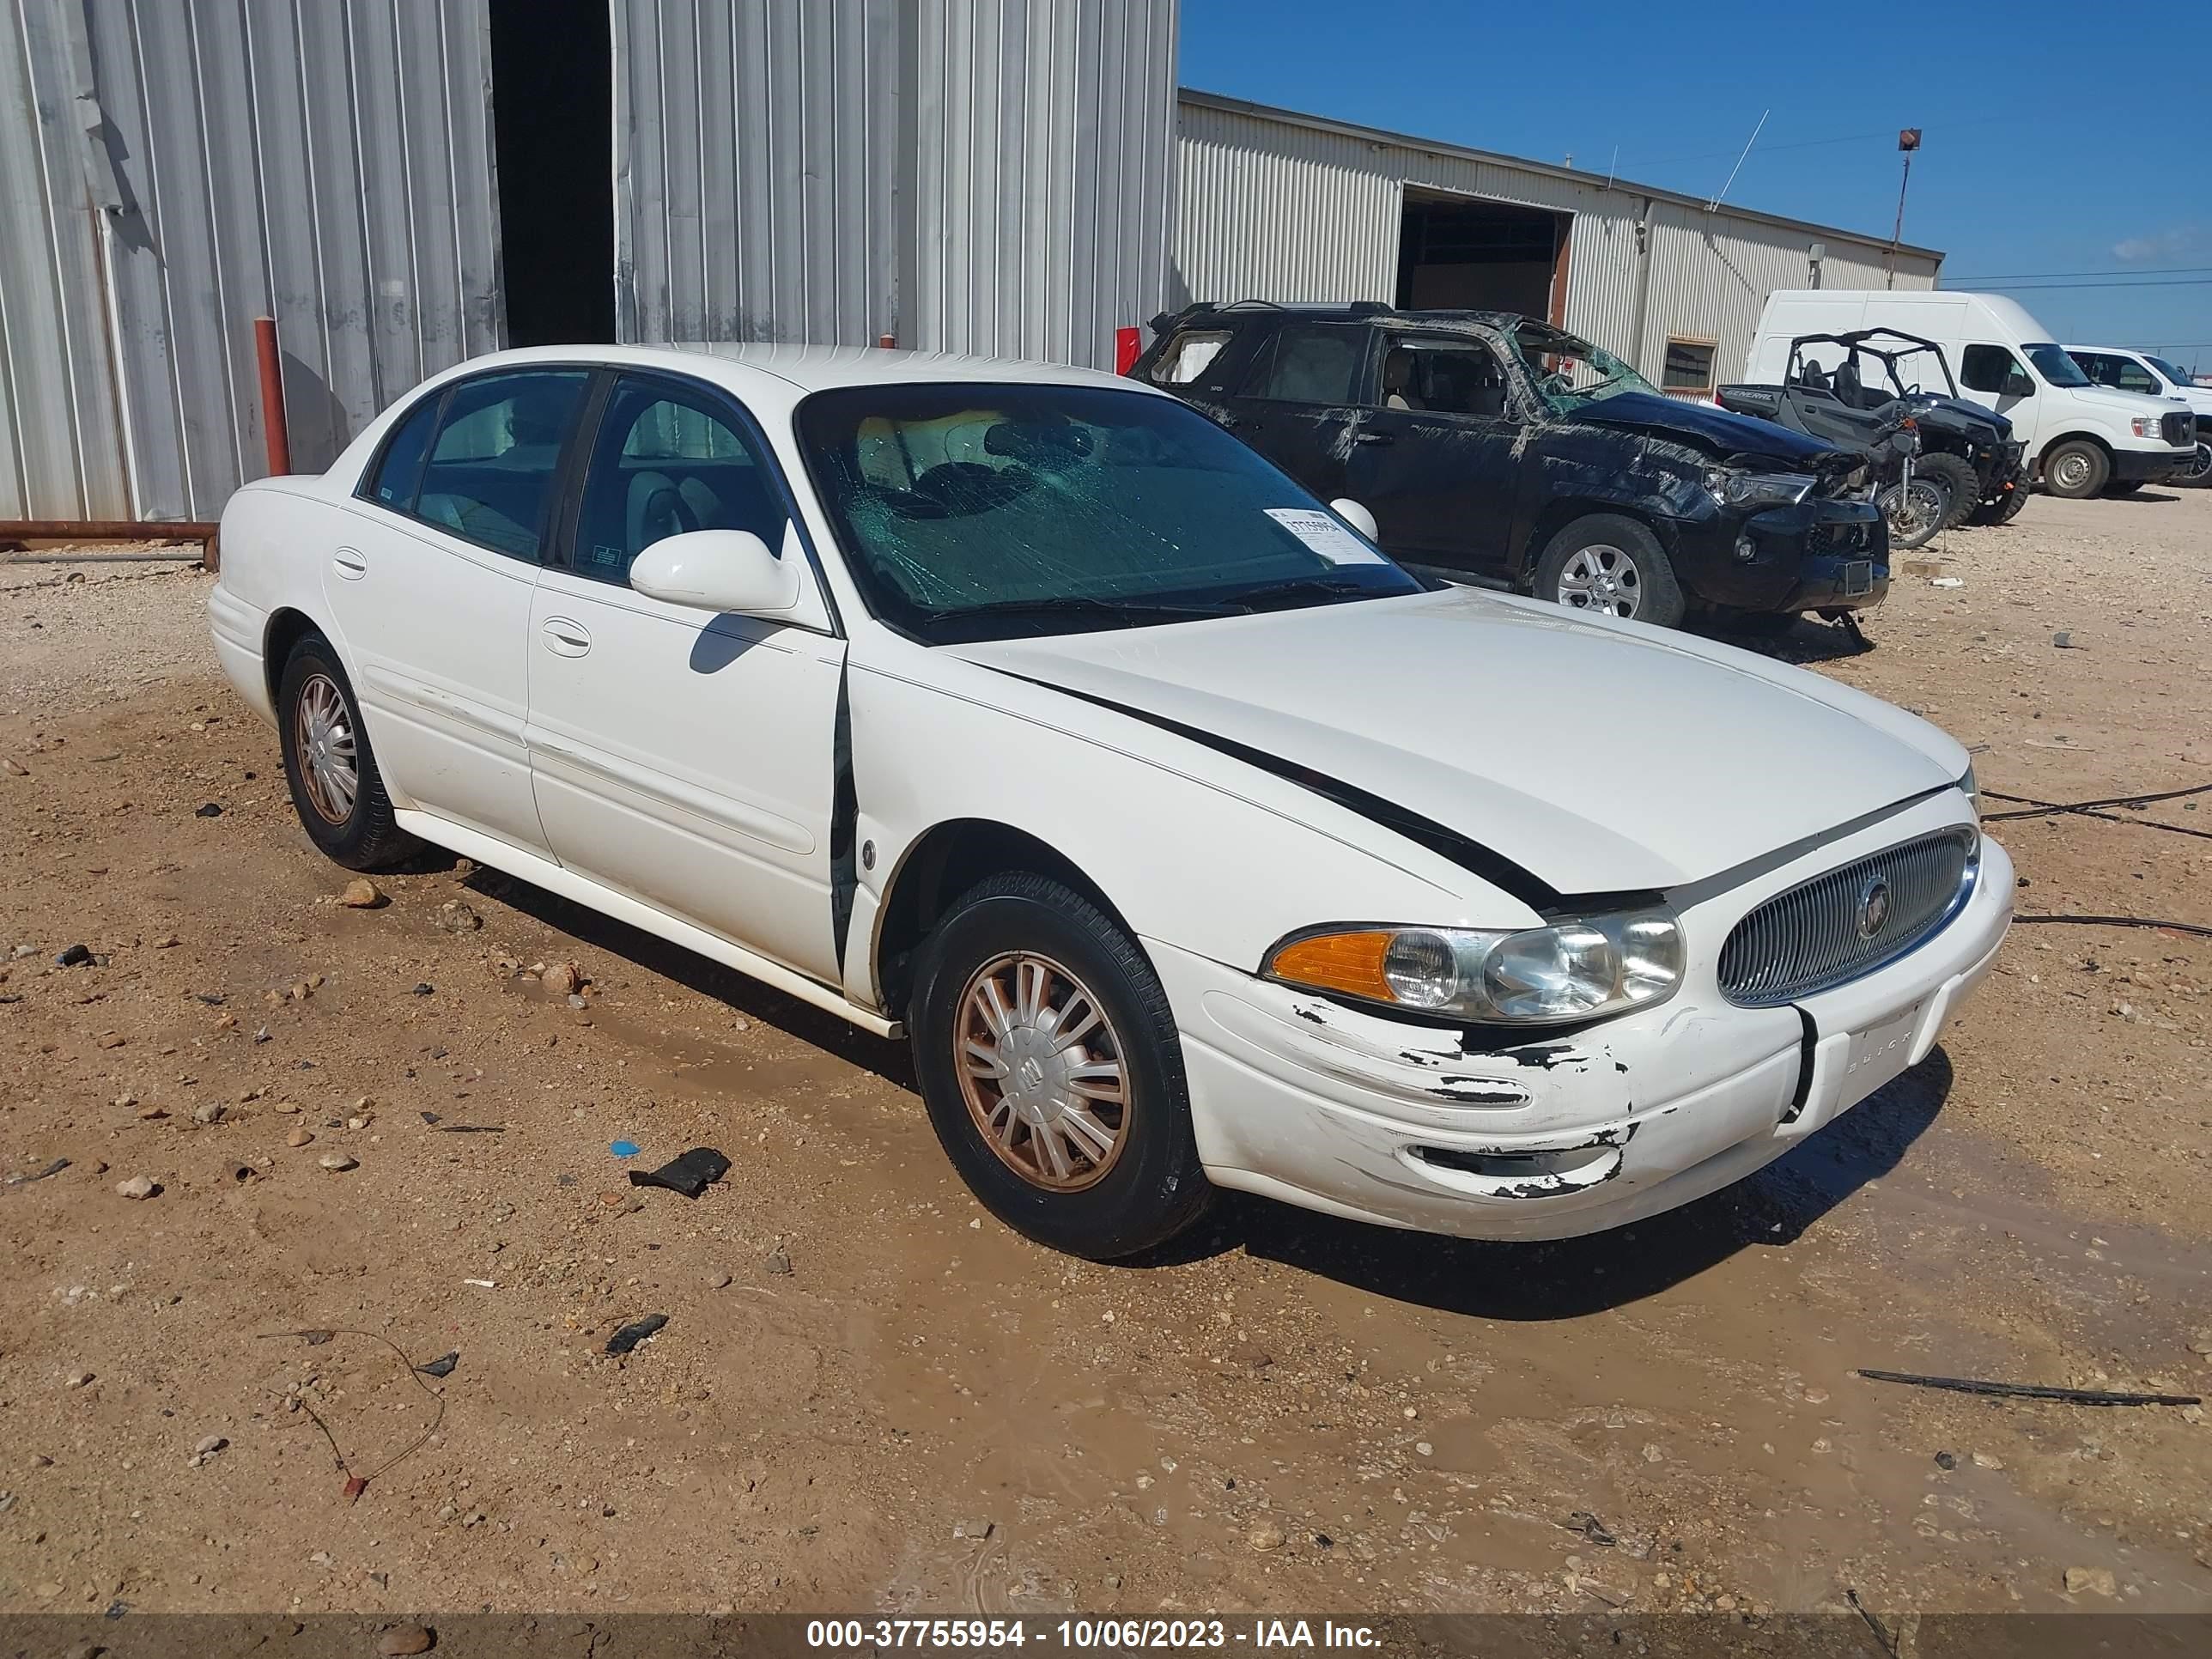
x=1379 y=1120
x=2149 y=466
x=1819 y=554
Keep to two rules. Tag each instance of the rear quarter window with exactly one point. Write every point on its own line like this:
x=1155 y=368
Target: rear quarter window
x=393 y=477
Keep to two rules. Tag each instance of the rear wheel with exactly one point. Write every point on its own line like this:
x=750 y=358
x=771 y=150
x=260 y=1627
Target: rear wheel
x=1962 y=485
x=2076 y=468
x=1049 y=1061
x=336 y=788
x=1611 y=566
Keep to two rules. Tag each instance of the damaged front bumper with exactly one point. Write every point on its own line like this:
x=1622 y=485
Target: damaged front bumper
x=1426 y=1126
x=1823 y=553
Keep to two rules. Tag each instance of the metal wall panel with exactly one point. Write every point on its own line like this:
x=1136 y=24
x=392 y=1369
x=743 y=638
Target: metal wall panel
x=754 y=167
x=1044 y=144
x=202 y=162
x=61 y=446
x=1278 y=207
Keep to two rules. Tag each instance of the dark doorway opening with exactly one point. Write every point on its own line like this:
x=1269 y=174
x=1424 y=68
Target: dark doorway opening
x=552 y=74
x=1459 y=252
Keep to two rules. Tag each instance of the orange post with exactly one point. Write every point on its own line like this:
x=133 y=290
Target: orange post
x=272 y=395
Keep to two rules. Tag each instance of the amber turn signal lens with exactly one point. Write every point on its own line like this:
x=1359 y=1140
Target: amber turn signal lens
x=1349 y=962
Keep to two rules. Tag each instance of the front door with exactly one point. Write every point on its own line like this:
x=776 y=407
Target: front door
x=1991 y=376
x=684 y=758
x=1437 y=461
x=430 y=587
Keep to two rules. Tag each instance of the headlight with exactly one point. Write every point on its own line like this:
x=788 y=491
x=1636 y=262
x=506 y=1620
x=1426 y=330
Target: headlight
x=1973 y=792
x=1759 y=488
x=1584 y=969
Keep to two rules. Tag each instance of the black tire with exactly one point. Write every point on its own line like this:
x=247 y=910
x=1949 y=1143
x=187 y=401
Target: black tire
x=1963 y=482
x=1643 y=566
x=2004 y=509
x=363 y=836
x=2076 y=470
x=1906 y=535
x=1151 y=1187
x=2199 y=473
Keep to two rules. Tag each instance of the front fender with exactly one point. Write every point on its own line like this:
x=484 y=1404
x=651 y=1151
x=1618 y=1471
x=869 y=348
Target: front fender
x=1192 y=848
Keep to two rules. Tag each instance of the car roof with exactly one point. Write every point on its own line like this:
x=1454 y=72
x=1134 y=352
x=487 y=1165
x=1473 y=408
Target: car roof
x=1345 y=311
x=766 y=375
x=2112 y=351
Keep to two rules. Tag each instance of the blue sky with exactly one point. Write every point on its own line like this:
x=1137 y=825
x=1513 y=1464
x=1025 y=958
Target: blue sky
x=2061 y=144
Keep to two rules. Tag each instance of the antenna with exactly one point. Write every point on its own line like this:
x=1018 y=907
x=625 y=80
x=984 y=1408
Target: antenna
x=1613 y=168
x=1711 y=205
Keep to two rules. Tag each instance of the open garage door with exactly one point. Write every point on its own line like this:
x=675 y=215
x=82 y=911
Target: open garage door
x=1462 y=253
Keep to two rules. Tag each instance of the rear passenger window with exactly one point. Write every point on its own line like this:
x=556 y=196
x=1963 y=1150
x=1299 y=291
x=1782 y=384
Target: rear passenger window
x=491 y=471
x=667 y=461
x=1188 y=356
x=392 y=484
x=1309 y=363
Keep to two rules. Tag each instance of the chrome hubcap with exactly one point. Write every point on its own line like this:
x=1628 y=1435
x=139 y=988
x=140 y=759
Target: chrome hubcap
x=1602 y=578
x=1041 y=1069
x=323 y=740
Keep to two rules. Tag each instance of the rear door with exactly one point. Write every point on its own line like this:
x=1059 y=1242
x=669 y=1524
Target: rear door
x=430 y=585
x=1301 y=396
x=1435 y=456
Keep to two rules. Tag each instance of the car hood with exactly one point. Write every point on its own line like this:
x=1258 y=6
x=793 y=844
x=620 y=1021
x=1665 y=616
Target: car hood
x=2127 y=403
x=1957 y=414
x=1720 y=432
x=1600 y=756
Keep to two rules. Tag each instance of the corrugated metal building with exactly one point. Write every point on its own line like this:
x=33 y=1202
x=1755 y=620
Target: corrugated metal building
x=405 y=183
x=1278 y=205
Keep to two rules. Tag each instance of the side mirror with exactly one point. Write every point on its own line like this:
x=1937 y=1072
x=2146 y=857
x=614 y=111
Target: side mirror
x=717 y=570
x=2017 y=385
x=1357 y=517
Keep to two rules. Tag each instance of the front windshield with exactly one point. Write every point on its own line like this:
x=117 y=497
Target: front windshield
x=2054 y=366
x=1572 y=373
x=2174 y=377
x=974 y=511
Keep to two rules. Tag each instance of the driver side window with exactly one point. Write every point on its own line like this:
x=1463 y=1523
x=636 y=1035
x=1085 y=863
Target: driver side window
x=667 y=461
x=1985 y=368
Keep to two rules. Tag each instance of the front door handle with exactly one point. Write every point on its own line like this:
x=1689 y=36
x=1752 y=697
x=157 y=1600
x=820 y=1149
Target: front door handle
x=349 y=564
x=1375 y=437
x=564 y=638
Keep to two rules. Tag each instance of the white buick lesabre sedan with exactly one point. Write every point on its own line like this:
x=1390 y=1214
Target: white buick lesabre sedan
x=1193 y=843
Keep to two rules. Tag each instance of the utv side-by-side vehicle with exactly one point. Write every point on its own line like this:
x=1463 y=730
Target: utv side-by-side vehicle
x=1880 y=381
x=1494 y=448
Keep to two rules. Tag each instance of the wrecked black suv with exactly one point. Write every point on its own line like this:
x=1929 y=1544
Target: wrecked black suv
x=1498 y=448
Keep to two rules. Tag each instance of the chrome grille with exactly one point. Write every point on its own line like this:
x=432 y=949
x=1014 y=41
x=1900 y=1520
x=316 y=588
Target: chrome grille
x=1810 y=937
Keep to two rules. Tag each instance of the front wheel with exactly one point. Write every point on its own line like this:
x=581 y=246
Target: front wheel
x=1611 y=566
x=1049 y=1058
x=2076 y=470
x=1915 y=511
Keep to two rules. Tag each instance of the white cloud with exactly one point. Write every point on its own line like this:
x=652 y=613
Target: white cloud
x=2165 y=245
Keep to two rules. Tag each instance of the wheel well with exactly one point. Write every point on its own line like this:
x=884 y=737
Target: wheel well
x=1558 y=515
x=2073 y=438
x=947 y=862
x=286 y=630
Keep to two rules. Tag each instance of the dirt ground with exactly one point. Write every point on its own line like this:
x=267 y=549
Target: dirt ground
x=869 y=1395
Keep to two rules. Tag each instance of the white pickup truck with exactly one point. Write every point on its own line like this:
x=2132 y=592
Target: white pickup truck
x=2081 y=439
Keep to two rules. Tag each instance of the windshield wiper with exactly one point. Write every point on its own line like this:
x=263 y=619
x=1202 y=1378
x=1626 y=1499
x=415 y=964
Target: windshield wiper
x=1127 y=612
x=1308 y=587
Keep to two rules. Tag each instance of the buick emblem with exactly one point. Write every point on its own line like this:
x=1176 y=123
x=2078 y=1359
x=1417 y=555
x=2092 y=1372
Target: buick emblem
x=1874 y=908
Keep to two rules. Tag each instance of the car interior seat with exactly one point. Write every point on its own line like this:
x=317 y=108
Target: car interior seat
x=1398 y=391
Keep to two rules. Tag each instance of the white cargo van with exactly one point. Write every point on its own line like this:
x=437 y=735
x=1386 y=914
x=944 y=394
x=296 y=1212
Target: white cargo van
x=2081 y=439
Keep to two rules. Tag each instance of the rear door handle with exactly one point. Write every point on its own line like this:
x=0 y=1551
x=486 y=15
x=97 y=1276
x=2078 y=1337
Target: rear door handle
x=565 y=638
x=350 y=563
